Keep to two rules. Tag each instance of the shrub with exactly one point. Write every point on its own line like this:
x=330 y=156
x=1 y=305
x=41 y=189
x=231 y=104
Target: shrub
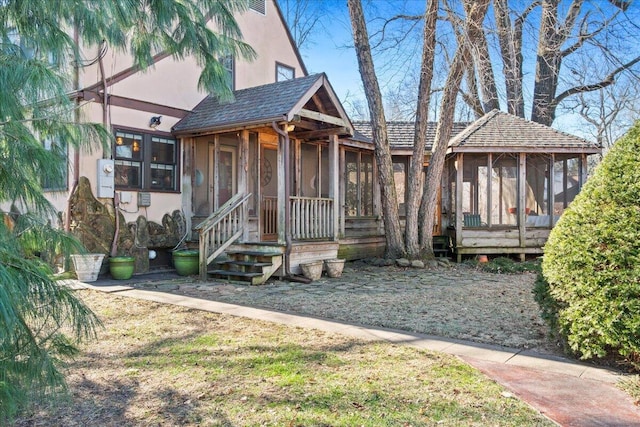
x=592 y=259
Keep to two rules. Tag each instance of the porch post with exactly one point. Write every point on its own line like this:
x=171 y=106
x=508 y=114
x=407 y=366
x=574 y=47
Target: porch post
x=342 y=185
x=283 y=197
x=522 y=200
x=583 y=169
x=334 y=182
x=243 y=179
x=458 y=195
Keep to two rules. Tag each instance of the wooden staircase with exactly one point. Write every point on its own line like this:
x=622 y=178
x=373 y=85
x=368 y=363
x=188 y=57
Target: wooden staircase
x=441 y=246
x=252 y=266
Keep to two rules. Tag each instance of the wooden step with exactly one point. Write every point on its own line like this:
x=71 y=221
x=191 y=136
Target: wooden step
x=245 y=263
x=254 y=264
x=254 y=253
x=253 y=278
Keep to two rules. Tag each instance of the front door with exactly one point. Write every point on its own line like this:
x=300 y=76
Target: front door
x=269 y=191
x=222 y=174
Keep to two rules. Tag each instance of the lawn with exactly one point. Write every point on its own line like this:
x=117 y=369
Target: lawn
x=165 y=365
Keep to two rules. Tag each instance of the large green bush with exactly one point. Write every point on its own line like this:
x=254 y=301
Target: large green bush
x=592 y=259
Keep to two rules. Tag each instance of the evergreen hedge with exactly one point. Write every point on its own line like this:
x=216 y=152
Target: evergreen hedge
x=592 y=260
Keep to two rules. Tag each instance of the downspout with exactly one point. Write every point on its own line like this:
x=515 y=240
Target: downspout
x=105 y=121
x=287 y=211
x=76 y=120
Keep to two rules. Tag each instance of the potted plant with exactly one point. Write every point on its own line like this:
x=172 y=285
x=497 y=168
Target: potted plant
x=186 y=261
x=121 y=267
x=87 y=266
x=312 y=270
x=334 y=267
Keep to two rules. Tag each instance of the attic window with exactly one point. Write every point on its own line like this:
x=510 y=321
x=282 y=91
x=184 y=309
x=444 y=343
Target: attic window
x=259 y=6
x=284 y=72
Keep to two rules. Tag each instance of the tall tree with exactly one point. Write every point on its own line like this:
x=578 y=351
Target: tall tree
x=561 y=37
x=395 y=246
x=36 y=58
x=475 y=11
x=415 y=186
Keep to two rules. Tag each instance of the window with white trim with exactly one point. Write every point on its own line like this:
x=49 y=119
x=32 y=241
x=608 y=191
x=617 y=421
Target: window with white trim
x=284 y=72
x=58 y=181
x=228 y=64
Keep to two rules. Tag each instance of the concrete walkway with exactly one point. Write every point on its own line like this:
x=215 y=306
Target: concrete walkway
x=567 y=392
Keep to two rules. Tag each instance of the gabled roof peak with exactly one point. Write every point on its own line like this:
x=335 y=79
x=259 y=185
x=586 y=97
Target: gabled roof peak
x=280 y=102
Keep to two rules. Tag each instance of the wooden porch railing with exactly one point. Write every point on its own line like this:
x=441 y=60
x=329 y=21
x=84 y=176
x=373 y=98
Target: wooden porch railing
x=269 y=212
x=311 y=218
x=221 y=229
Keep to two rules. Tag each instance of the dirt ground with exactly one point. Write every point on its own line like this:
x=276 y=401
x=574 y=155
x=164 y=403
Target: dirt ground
x=458 y=301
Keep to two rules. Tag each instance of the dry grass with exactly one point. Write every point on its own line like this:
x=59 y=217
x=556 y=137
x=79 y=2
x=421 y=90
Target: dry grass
x=165 y=365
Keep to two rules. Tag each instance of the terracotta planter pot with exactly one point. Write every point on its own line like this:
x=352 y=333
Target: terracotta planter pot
x=312 y=270
x=334 y=267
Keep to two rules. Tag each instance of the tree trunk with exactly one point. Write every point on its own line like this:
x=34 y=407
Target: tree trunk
x=510 y=40
x=415 y=181
x=395 y=247
x=439 y=150
x=480 y=53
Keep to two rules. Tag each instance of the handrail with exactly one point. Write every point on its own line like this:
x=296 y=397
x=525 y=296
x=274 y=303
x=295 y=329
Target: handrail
x=223 y=210
x=221 y=229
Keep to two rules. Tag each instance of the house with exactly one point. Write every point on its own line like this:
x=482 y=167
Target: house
x=279 y=175
x=259 y=173
x=505 y=183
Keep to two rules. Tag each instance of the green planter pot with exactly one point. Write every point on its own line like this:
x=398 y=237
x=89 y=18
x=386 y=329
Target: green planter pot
x=186 y=262
x=122 y=267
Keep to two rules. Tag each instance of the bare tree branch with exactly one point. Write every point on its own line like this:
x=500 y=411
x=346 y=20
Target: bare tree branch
x=607 y=81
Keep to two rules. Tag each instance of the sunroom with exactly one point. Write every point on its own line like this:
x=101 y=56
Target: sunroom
x=507 y=182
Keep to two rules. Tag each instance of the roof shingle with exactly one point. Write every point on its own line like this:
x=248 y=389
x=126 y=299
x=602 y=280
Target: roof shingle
x=252 y=105
x=503 y=130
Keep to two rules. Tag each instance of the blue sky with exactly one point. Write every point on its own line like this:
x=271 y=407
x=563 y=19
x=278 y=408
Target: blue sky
x=330 y=51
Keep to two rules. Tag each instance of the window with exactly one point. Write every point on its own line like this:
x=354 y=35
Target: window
x=57 y=180
x=145 y=162
x=400 y=172
x=228 y=64
x=504 y=189
x=359 y=184
x=475 y=178
x=566 y=182
x=537 y=190
x=314 y=165
x=284 y=72
x=490 y=189
x=27 y=49
x=259 y=6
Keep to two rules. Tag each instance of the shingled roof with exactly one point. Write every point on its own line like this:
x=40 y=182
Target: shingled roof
x=494 y=130
x=507 y=132
x=257 y=105
x=401 y=133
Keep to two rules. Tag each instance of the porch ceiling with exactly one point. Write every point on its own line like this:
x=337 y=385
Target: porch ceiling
x=308 y=103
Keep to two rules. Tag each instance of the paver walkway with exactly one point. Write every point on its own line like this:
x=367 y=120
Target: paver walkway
x=569 y=393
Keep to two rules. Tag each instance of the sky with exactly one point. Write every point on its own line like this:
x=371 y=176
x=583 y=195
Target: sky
x=330 y=51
